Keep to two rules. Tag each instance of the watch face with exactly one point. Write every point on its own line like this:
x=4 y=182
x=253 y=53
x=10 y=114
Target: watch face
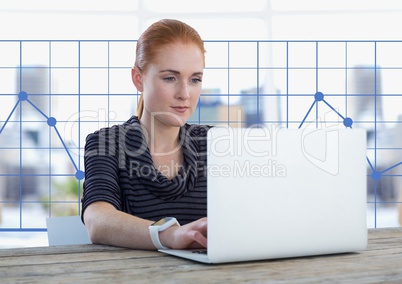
x=162 y=221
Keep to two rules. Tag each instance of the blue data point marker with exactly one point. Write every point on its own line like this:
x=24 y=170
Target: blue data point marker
x=51 y=121
x=319 y=96
x=376 y=175
x=348 y=122
x=79 y=175
x=22 y=96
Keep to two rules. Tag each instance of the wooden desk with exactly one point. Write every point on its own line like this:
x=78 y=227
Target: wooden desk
x=382 y=261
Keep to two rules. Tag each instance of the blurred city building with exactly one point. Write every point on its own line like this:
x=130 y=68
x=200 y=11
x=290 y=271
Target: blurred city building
x=26 y=138
x=366 y=109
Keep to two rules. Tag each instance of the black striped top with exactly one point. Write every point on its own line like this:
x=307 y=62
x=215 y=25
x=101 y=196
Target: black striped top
x=119 y=170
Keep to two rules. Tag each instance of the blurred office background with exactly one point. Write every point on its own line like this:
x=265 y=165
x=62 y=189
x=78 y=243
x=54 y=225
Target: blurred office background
x=265 y=61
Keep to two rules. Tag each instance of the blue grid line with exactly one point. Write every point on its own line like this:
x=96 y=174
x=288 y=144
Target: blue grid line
x=220 y=95
x=375 y=134
x=79 y=129
x=316 y=82
x=49 y=130
x=213 y=40
x=288 y=95
x=21 y=229
x=258 y=84
x=375 y=104
x=346 y=78
x=20 y=158
x=37 y=175
x=207 y=67
x=287 y=84
x=108 y=82
x=228 y=85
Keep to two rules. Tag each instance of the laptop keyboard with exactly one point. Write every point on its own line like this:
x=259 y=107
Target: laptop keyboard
x=200 y=251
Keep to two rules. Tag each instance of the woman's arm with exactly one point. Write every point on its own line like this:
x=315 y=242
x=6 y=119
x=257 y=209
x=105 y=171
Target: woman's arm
x=107 y=225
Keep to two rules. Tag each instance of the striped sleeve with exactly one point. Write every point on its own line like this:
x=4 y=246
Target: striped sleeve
x=101 y=168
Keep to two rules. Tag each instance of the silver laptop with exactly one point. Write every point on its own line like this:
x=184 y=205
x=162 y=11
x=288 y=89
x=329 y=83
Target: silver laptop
x=279 y=193
x=66 y=230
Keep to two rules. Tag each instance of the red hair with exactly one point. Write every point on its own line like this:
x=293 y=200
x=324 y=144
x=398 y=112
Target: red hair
x=159 y=34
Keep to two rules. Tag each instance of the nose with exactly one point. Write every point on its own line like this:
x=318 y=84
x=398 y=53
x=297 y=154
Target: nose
x=183 y=91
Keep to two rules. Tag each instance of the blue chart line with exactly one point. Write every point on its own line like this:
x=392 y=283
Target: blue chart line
x=318 y=97
x=51 y=122
x=376 y=175
x=347 y=121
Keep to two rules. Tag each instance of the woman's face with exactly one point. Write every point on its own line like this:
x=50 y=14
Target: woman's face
x=171 y=85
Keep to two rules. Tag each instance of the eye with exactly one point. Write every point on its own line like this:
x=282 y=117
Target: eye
x=169 y=79
x=196 y=80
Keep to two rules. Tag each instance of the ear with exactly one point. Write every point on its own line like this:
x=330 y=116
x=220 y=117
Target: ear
x=136 y=77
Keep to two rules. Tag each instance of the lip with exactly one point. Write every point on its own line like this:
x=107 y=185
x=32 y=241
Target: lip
x=180 y=109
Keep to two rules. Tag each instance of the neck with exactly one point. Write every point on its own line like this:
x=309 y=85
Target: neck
x=161 y=138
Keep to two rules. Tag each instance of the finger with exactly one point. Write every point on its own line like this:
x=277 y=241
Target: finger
x=200 y=225
x=199 y=238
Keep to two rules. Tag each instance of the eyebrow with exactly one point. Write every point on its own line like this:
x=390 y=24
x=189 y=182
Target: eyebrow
x=178 y=72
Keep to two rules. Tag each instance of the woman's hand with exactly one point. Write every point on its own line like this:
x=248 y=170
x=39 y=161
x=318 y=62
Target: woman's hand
x=189 y=236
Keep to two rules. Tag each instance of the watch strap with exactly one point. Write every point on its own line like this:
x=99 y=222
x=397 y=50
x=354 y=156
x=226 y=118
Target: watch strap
x=154 y=232
x=160 y=226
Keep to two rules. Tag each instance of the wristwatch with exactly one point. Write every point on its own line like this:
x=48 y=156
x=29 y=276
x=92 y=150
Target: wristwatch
x=160 y=226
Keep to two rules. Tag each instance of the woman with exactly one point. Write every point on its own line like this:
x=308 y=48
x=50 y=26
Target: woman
x=153 y=166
